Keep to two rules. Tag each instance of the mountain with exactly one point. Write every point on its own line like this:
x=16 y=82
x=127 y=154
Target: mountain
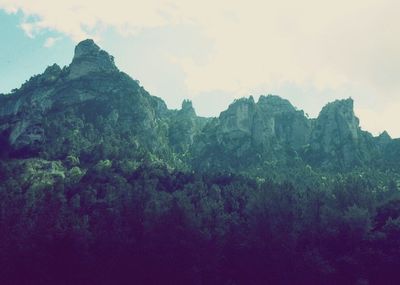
x=249 y=134
x=101 y=183
x=337 y=140
x=93 y=111
x=84 y=108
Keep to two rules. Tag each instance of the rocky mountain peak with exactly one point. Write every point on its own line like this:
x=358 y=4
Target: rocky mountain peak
x=187 y=107
x=93 y=93
x=346 y=120
x=53 y=69
x=239 y=115
x=341 y=114
x=274 y=104
x=342 y=105
x=384 y=138
x=385 y=135
x=51 y=74
x=242 y=104
x=337 y=135
x=86 y=47
x=89 y=58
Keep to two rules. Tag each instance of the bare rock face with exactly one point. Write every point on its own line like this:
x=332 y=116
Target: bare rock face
x=336 y=137
x=25 y=134
x=89 y=90
x=252 y=133
x=284 y=122
x=90 y=58
x=237 y=121
x=336 y=121
x=91 y=108
x=271 y=120
x=184 y=124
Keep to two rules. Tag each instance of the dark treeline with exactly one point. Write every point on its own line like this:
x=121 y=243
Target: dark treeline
x=154 y=226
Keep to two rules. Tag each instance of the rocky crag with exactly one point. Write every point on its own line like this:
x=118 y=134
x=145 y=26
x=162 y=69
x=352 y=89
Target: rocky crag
x=91 y=111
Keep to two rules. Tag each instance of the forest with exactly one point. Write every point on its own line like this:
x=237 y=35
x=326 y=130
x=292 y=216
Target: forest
x=157 y=226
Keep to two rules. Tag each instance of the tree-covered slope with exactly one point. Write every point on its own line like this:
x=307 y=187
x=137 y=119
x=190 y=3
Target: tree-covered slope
x=101 y=183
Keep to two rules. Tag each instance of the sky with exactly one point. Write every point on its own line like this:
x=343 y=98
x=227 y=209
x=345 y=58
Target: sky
x=310 y=52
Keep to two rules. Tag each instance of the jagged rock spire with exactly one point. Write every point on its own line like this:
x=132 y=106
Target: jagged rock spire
x=187 y=107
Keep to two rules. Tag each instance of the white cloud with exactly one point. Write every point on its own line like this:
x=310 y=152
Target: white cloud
x=50 y=41
x=28 y=29
x=326 y=44
x=81 y=19
x=376 y=121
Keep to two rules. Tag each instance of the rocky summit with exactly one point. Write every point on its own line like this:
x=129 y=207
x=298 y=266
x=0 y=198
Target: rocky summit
x=93 y=111
x=89 y=58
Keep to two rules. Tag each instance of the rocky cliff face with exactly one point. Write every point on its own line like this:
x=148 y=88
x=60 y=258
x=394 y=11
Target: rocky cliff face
x=336 y=138
x=93 y=111
x=92 y=92
x=89 y=58
x=184 y=124
x=269 y=121
x=285 y=122
x=252 y=133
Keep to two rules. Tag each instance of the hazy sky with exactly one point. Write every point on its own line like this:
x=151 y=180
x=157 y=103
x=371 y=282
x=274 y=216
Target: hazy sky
x=310 y=52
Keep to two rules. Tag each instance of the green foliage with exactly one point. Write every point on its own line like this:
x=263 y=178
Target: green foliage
x=124 y=222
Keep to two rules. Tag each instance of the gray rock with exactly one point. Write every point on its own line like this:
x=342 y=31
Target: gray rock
x=336 y=138
x=90 y=58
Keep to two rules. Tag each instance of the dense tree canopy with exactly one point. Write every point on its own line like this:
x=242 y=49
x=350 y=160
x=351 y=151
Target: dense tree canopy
x=111 y=225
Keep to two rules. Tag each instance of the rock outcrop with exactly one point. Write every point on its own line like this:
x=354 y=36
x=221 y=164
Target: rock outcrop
x=252 y=134
x=383 y=139
x=337 y=139
x=89 y=58
x=269 y=121
x=285 y=122
x=93 y=111
x=184 y=124
x=90 y=91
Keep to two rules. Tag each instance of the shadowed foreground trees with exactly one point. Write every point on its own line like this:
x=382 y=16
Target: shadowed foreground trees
x=154 y=226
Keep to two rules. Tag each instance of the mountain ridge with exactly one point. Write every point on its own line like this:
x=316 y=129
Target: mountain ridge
x=91 y=106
